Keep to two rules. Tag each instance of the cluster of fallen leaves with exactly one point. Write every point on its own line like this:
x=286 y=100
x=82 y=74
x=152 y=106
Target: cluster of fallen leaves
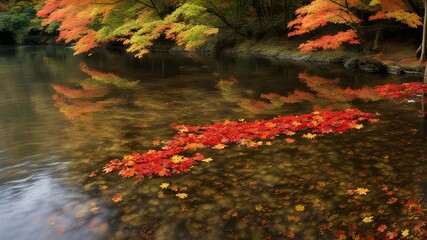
x=168 y=160
x=376 y=228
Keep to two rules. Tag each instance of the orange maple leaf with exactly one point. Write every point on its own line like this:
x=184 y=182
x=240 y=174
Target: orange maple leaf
x=182 y=195
x=116 y=198
x=382 y=228
x=362 y=191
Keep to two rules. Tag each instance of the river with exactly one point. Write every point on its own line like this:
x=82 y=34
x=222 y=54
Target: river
x=63 y=117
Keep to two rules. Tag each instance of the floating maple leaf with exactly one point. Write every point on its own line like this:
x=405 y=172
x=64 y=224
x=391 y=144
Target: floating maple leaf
x=259 y=208
x=368 y=219
x=299 y=208
x=351 y=192
x=340 y=234
x=290 y=133
x=362 y=191
x=182 y=195
x=219 y=146
x=116 y=198
x=208 y=160
x=290 y=234
x=382 y=228
x=164 y=185
x=405 y=233
x=289 y=140
x=108 y=169
x=391 y=235
x=392 y=201
x=309 y=136
x=177 y=158
x=156 y=142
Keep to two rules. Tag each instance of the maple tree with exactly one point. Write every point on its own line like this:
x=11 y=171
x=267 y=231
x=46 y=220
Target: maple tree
x=91 y=23
x=319 y=13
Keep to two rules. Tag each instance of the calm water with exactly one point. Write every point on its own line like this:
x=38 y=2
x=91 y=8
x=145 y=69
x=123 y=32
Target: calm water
x=62 y=117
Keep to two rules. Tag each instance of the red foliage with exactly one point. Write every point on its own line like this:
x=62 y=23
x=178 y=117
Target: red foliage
x=328 y=42
x=250 y=134
x=405 y=90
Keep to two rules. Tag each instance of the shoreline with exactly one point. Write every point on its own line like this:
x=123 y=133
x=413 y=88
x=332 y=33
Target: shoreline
x=350 y=58
x=343 y=57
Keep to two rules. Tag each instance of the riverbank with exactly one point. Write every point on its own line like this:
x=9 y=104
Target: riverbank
x=393 y=57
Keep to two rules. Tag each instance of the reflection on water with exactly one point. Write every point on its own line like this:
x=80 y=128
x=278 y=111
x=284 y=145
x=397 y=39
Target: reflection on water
x=63 y=118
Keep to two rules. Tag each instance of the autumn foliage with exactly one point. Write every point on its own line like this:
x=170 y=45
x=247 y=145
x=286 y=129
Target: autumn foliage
x=92 y=23
x=319 y=13
x=189 y=138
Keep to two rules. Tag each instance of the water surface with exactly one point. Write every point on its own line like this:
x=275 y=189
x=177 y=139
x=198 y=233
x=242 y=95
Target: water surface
x=62 y=117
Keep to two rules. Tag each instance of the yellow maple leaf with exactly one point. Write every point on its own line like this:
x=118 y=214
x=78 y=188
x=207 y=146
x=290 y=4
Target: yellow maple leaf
x=177 y=159
x=405 y=233
x=368 y=219
x=295 y=123
x=358 y=126
x=219 y=146
x=309 y=136
x=181 y=195
x=299 y=208
x=164 y=185
x=259 y=207
x=208 y=160
x=183 y=130
x=362 y=191
x=268 y=143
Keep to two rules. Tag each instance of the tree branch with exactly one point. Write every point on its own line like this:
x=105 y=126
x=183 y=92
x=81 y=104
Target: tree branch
x=155 y=8
x=216 y=12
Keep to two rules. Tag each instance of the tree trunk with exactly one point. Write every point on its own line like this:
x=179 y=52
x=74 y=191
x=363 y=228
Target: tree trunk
x=424 y=106
x=424 y=41
x=378 y=35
